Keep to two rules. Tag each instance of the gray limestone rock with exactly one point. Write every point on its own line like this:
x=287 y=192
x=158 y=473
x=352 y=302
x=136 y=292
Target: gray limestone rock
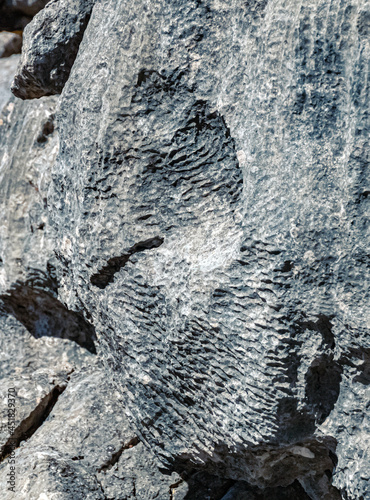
x=86 y=449
x=210 y=212
x=34 y=372
x=50 y=46
x=10 y=43
x=211 y=197
x=29 y=147
x=28 y=283
x=79 y=444
x=8 y=67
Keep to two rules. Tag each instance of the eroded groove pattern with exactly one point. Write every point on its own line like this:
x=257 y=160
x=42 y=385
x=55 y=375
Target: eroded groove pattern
x=237 y=132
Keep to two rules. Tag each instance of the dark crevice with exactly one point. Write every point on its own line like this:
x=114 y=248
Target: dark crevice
x=34 y=421
x=117 y=455
x=287 y=266
x=47 y=129
x=299 y=461
x=323 y=386
x=242 y=490
x=173 y=488
x=106 y=274
x=293 y=423
x=201 y=486
x=36 y=306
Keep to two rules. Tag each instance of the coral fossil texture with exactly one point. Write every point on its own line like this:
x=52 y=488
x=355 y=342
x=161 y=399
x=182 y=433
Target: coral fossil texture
x=210 y=205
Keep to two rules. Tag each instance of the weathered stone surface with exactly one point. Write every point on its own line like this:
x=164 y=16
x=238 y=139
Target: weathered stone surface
x=86 y=449
x=10 y=43
x=210 y=205
x=28 y=284
x=8 y=68
x=50 y=46
x=29 y=147
x=81 y=444
x=34 y=372
x=211 y=199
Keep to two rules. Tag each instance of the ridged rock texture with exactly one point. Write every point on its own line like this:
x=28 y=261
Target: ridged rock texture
x=209 y=206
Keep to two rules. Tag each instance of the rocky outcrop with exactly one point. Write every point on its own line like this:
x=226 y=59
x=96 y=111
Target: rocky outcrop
x=209 y=217
x=51 y=43
x=34 y=372
x=30 y=145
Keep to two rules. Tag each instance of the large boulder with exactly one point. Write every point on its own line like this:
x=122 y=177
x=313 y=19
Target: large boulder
x=210 y=206
x=211 y=202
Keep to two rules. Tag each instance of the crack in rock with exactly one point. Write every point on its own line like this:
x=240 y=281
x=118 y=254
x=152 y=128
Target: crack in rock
x=106 y=274
x=116 y=456
x=34 y=421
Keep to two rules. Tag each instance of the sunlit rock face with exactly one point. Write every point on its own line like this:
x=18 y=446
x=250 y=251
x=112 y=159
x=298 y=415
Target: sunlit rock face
x=210 y=201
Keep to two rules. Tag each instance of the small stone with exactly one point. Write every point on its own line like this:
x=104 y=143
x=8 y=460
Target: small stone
x=10 y=43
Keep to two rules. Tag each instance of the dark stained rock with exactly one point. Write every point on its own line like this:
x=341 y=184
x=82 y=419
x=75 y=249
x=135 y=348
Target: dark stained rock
x=50 y=46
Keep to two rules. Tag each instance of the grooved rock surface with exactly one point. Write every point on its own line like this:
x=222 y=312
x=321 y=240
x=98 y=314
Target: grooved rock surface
x=211 y=201
x=29 y=147
x=210 y=217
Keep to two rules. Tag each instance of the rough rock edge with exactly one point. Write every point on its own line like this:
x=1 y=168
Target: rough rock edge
x=47 y=61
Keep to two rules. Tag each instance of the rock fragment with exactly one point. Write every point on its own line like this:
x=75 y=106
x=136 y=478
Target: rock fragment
x=10 y=43
x=237 y=135
x=50 y=47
